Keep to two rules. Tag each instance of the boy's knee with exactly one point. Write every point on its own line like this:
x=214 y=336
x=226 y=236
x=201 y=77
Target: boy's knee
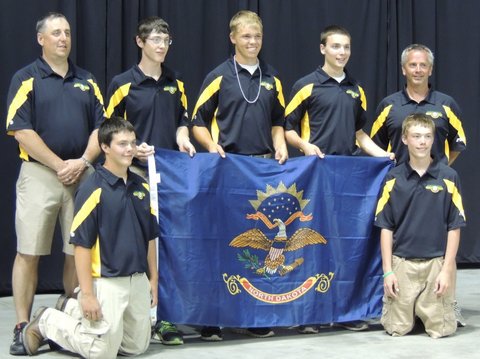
x=137 y=347
x=395 y=321
x=101 y=349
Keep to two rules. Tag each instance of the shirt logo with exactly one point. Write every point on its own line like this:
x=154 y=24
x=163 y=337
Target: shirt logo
x=267 y=85
x=434 y=114
x=139 y=194
x=171 y=89
x=352 y=93
x=82 y=86
x=434 y=188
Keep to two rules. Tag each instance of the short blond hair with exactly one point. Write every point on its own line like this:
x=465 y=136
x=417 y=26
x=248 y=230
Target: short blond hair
x=245 y=17
x=417 y=119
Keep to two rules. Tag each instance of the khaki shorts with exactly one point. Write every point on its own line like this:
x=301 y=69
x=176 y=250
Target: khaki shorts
x=42 y=200
x=416 y=298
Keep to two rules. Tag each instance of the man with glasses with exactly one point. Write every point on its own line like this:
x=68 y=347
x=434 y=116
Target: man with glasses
x=419 y=97
x=152 y=98
x=241 y=110
x=54 y=109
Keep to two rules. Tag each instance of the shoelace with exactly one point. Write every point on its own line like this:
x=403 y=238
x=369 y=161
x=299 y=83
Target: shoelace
x=166 y=326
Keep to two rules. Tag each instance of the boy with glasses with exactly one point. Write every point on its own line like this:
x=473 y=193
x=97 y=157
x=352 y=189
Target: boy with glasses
x=152 y=97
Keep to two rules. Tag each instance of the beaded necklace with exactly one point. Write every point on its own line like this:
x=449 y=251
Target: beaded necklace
x=240 y=85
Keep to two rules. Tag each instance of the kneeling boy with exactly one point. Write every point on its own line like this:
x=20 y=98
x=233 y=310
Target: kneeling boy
x=115 y=256
x=420 y=214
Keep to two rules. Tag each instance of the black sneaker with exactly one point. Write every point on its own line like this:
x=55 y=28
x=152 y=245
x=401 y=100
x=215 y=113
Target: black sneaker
x=166 y=333
x=356 y=325
x=211 y=334
x=17 y=347
x=256 y=332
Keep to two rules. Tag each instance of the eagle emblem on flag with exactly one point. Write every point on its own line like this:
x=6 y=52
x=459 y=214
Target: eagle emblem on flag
x=277 y=208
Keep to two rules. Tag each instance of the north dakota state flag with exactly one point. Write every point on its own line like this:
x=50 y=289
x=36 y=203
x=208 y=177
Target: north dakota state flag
x=247 y=242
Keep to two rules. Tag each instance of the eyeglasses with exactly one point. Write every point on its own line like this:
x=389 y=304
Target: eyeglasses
x=160 y=41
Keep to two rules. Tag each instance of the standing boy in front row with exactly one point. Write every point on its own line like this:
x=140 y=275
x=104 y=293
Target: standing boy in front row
x=420 y=214
x=113 y=233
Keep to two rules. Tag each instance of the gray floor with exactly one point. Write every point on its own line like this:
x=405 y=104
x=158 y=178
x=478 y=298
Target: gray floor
x=330 y=343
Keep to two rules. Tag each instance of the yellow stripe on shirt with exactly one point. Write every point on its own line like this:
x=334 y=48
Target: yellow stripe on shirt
x=380 y=121
x=385 y=196
x=20 y=97
x=183 y=98
x=96 y=259
x=96 y=91
x=87 y=208
x=456 y=197
x=209 y=91
x=299 y=97
x=214 y=129
x=280 y=97
x=117 y=98
x=456 y=123
x=363 y=98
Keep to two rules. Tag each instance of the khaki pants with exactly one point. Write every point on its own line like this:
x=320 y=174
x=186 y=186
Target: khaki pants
x=125 y=328
x=416 y=297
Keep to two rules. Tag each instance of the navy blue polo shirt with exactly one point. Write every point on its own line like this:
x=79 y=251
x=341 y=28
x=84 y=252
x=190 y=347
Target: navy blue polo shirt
x=420 y=210
x=327 y=113
x=392 y=110
x=155 y=108
x=238 y=126
x=116 y=221
x=62 y=111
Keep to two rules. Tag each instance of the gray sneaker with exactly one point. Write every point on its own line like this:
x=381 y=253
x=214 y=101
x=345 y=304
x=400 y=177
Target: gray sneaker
x=356 y=325
x=461 y=322
x=32 y=337
x=307 y=329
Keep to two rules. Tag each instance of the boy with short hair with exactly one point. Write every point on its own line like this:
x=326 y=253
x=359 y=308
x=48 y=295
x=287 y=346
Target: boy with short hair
x=241 y=110
x=113 y=231
x=328 y=106
x=420 y=213
x=241 y=105
x=152 y=97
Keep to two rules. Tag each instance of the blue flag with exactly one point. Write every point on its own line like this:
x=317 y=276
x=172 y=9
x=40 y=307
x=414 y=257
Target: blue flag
x=246 y=242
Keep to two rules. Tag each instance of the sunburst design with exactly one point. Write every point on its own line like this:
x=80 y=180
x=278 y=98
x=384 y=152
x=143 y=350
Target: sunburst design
x=292 y=190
